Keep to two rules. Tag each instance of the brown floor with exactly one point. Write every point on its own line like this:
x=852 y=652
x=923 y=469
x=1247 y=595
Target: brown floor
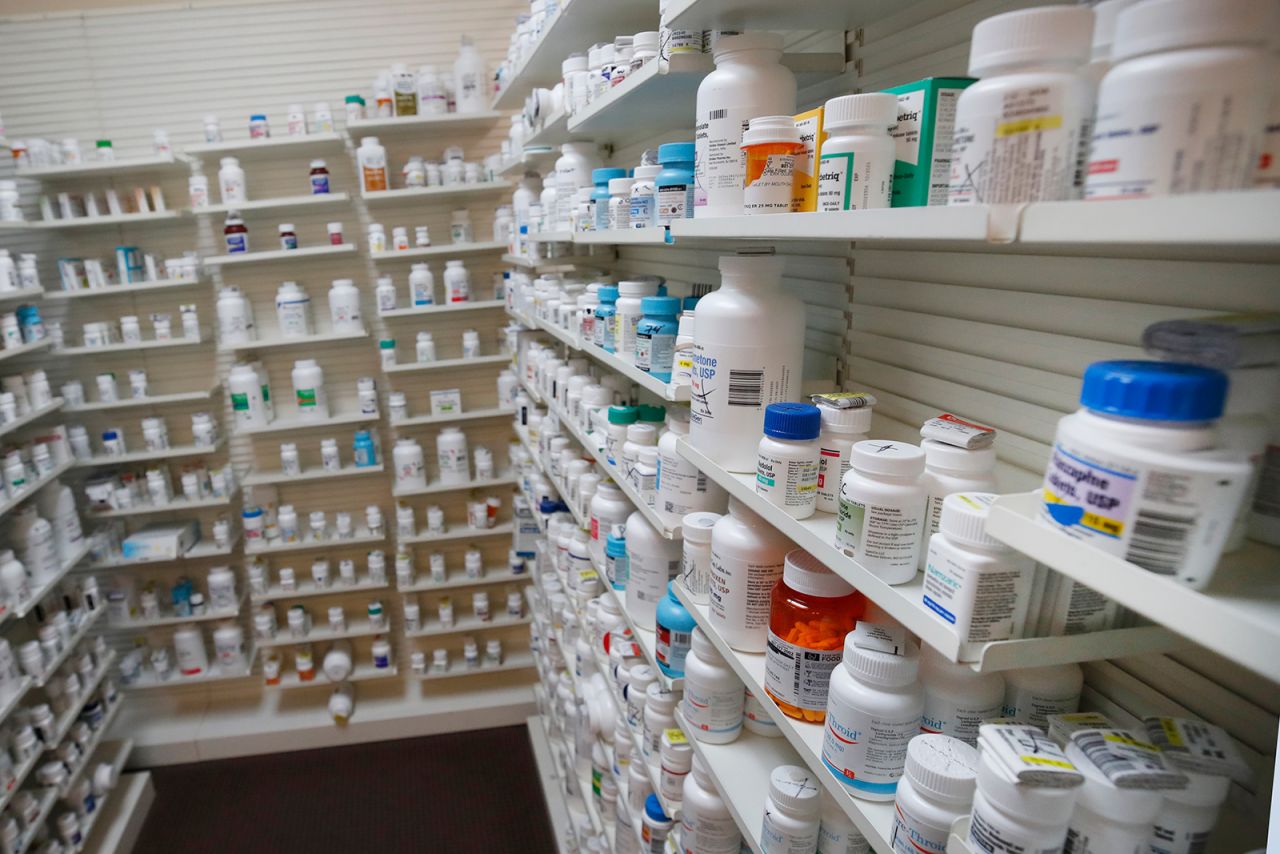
x=474 y=791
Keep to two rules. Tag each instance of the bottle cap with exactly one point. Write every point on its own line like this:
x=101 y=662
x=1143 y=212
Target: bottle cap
x=623 y=414
x=1038 y=35
x=660 y=306
x=703 y=647
x=620 y=186
x=964 y=519
x=675 y=152
x=943 y=766
x=604 y=176
x=881 y=668
x=653 y=809
x=797 y=421
x=1154 y=391
x=871 y=108
x=794 y=789
x=607 y=293
x=1170 y=24
x=805 y=574
x=776 y=129
x=895 y=459
x=940 y=455
x=696 y=527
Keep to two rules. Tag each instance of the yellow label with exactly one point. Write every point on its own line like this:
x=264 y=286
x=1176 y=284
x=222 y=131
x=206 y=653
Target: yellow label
x=1028 y=126
x=1049 y=763
x=675 y=736
x=1171 y=734
x=1094 y=521
x=804 y=186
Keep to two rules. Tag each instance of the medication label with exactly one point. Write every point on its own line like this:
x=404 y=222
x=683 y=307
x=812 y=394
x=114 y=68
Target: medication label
x=864 y=751
x=798 y=675
x=851 y=181
x=720 y=163
x=770 y=190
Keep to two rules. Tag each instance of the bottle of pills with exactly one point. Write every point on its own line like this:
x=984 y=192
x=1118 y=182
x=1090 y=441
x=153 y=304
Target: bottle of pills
x=288 y=237
x=770 y=146
x=936 y=789
x=713 y=700
x=838 y=832
x=627 y=313
x=947 y=469
x=874 y=706
x=1033 y=693
x=674 y=184
x=792 y=811
x=319 y=178
x=846 y=420
x=1107 y=817
x=747 y=556
x=1136 y=471
x=787 y=460
x=1009 y=816
x=1187 y=816
x=706 y=824
x=602 y=329
x=656 y=336
x=882 y=507
x=956 y=699
x=644 y=198
x=656 y=825
x=811 y=610
x=856 y=170
x=674 y=627
x=235 y=234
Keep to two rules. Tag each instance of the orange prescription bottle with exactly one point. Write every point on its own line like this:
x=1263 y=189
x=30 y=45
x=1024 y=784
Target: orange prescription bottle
x=770 y=145
x=811 y=610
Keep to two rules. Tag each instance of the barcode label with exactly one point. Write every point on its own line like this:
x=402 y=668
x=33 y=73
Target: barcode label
x=1125 y=761
x=718 y=114
x=1159 y=541
x=746 y=388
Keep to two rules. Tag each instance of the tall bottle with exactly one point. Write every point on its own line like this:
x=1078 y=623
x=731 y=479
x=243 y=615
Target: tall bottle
x=231 y=184
x=431 y=95
x=469 y=79
x=372 y=158
x=404 y=89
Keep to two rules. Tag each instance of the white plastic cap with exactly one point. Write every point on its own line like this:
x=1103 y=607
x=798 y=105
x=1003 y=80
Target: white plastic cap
x=805 y=574
x=1105 y=16
x=646 y=172
x=895 y=459
x=845 y=420
x=943 y=766
x=642 y=434
x=696 y=527
x=633 y=288
x=573 y=62
x=760 y=268
x=647 y=40
x=794 y=789
x=882 y=668
x=766 y=129
x=618 y=186
x=1156 y=25
x=940 y=455
x=964 y=518
x=747 y=41
x=660 y=698
x=1039 y=35
x=704 y=648
x=871 y=108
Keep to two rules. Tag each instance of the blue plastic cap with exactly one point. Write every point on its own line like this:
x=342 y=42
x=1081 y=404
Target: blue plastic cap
x=608 y=293
x=604 y=176
x=660 y=306
x=653 y=809
x=362 y=436
x=792 y=421
x=615 y=546
x=690 y=303
x=1154 y=391
x=675 y=152
x=255 y=116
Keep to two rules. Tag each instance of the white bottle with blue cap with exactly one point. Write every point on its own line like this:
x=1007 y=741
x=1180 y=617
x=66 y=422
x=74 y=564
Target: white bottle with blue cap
x=1138 y=470
x=787 y=462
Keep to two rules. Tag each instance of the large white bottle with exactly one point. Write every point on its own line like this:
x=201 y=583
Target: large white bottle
x=293 y=311
x=344 y=306
x=749 y=81
x=57 y=503
x=470 y=93
x=33 y=539
x=372 y=159
x=308 y=390
x=235 y=317
x=573 y=172
x=422 y=286
x=411 y=469
x=231 y=184
x=748 y=352
x=247 y=389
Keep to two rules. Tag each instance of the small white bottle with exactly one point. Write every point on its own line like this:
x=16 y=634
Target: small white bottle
x=747 y=557
x=882 y=506
x=643 y=198
x=457 y=282
x=936 y=789
x=706 y=823
x=385 y=294
x=792 y=811
x=344 y=306
x=858 y=155
x=842 y=428
x=470 y=344
x=293 y=311
x=235 y=317
x=425 y=347
x=308 y=390
x=411 y=472
x=452 y=457
x=372 y=160
x=948 y=469
x=231 y=185
x=787 y=464
x=712 y=699
x=956 y=699
x=422 y=286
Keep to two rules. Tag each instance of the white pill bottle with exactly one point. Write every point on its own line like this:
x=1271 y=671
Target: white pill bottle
x=1008 y=816
x=936 y=789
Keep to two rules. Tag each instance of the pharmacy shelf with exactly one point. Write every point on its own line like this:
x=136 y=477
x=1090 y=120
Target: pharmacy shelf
x=280 y=547
x=874 y=819
x=120 y=814
x=150 y=400
x=293 y=425
x=25 y=349
x=209 y=615
x=451 y=417
x=21 y=295
x=68 y=718
x=129 y=347
x=203 y=549
x=124 y=289
x=457 y=580
x=34 y=415
x=274 y=255
x=173 y=453
x=467 y=624
x=522 y=660
x=553 y=133
x=279 y=203
x=363 y=672
x=41 y=588
x=459 y=532
x=443 y=308
x=557 y=265
x=646 y=101
x=931 y=224
x=308 y=589
x=34 y=487
x=180 y=504
x=260 y=478
x=643 y=635
x=302 y=340
x=147 y=680
x=48 y=799
x=449 y=249
x=20 y=772
x=624 y=236
x=427 y=194
x=104 y=168
x=115 y=754
x=551 y=236
x=87 y=759
x=905 y=602
x=447 y=364
x=1238 y=617
x=436 y=488
x=322 y=634
x=577 y=26
x=9 y=701
x=145 y=218
x=79 y=634
x=745 y=15
x=272 y=146
x=443 y=122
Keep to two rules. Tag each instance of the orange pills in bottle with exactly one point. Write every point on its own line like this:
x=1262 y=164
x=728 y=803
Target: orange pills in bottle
x=811 y=610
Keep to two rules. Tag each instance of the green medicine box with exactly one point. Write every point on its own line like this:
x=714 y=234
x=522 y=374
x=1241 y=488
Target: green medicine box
x=926 y=120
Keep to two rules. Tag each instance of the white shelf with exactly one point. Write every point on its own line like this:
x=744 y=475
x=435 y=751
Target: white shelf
x=933 y=224
x=905 y=602
x=279 y=547
x=307 y=589
x=150 y=400
x=34 y=487
x=469 y=623
x=202 y=549
x=129 y=347
x=300 y=202
x=278 y=146
x=522 y=660
x=363 y=672
x=173 y=453
x=551 y=236
x=443 y=308
x=80 y=633
x=744 y=15
x=443 y=122
x=1238 y=617
x=646 y=100
x=452 y=418
x=459 y=532
x=659 y=236
x=291 y=425
x=304 y=340
x=436 y=488
x=69 y=717
x=458 y=580
x=554 y=132
x=34 y=415
x=446 y=364
x=21 y=294
x=87 y=759
x=439 y=251
x=147 y=217
x=553 y=265
x=273 y=255
x=25 y=349
x=148 y=681
x=124 y=289
x=210 y=615
x=259 y=478
x=179 y=504
x=321 y=633
x=103 y=168
x=426 y=194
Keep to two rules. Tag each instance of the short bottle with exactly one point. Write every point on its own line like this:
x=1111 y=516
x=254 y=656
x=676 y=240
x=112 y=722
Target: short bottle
x=792 y=811
x=770 y=146
x=787 y=461
x=936 y=789
x=858 y=154
x=231 y=185
x=956 y=698
x=947 y=469
x=422 y=286
x=656 y=336
x=846 y=420
x=712 y=700
x=308 y=388
x=371 y=157
x=457 y=282
x=882 y=509
x=344 y=307
x=235 y=234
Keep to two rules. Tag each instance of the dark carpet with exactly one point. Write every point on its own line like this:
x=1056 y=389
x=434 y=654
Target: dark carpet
x=473 y=791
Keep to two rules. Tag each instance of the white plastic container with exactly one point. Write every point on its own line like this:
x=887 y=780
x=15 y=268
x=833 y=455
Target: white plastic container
x=882 y=509
x=792 y=811
x=411 y=470
x=609 y=507
x=422 y=286
x=1033 y=693
x=228 y=647
x=1022 y=131
x=841 y=430
x=627 y=314
x=712 y=701
x=956 y=699
x=457 y=282
x=231 y=186
x=936 y=789
x=189 y=650
x=344 y=307
x=838 y=834
x=787 y=458
x=235 y=317
x=371 y=157
x=748 y=353
x=1108 y=819
x=452 y=456
x=695 y=565
x=1197 y=79
x=293 y=311
x=948 y=469
x=652 y=562
x=308 y=390
x=1187 y=816
x=1009 y=817
x=874 y=705
x=706 y=823
x=644 y=198
x=246 y=390
x=573 y=172
x=747 y=557
x=856 y=170
x=682 y=487
x=469 y=79
x=748 y=81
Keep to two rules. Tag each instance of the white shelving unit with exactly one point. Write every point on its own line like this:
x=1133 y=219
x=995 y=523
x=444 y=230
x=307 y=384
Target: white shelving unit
x=446 y=364
x=439 y=251
x=149 y=400
x=210 y=615
x=279 y=546
x=179 y=504
x=103 y=168
x=522 y=660
x=25 y=349
x=124 y=289
x=259 y=478
x=176 y=452
x=435 y=488
x=279 y=203
x=467 y=624
x=440 y=122
x=308 y=589
x=451 y=418
x=32 y=416
x=107 y=220
x=130 y=347
x=21 y=295
x=148 y=681
x=321 y=633
x=453 y=582
x=278 y=255
x=300 y=341
x=428 y=194
x=295 y=424
x=272 y=146
x=459 y=532
x=443 y=308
